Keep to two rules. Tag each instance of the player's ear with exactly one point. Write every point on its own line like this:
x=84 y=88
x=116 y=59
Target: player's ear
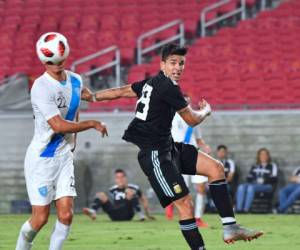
x=162 y=65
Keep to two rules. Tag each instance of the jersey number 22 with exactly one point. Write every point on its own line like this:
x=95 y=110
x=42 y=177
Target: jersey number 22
x=143 y=103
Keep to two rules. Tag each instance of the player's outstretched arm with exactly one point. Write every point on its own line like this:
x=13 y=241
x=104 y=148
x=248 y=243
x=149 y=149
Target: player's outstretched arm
x=114 y=93
x=195 y=117
x=145 y=204
x=59 y=125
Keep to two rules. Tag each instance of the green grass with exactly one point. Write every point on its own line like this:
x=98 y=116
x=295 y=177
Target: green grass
x=281 y=232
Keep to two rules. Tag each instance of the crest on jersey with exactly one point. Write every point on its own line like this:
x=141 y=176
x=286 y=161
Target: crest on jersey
x=177 y=189
x=43 y=191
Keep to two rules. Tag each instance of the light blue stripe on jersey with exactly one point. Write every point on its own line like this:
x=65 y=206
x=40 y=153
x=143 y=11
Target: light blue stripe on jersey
x=188 y=134
x=74 y=104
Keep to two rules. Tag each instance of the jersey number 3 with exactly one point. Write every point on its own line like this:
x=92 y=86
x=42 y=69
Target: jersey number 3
x=143 y=103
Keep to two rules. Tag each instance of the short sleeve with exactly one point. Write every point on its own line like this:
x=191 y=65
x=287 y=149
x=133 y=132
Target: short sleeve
x=137 y=87
x=44 y=100
x=232 y=166
x=172 y=95
x=274 y=170
x=197 y=132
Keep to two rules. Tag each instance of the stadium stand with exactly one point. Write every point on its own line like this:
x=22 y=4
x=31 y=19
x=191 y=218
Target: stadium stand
x=254 y=64
x=88 y=24
x=242 y=67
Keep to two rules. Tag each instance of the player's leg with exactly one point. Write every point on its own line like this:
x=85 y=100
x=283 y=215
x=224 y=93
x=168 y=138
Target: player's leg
x=40 y=193
x=188 y=225
x=32 y=226
x=214 y=170
x=160 y=166
x=64 y=209
x=200 y=203
x=99 y=199
x=64 y=193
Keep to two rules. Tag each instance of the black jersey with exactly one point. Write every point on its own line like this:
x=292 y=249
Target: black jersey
x=268 y=173
x=158 y=100
x=118 y=194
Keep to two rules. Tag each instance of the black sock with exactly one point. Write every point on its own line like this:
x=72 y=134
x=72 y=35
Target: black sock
x=220 y=195
x=96 y=204
x=191 y=234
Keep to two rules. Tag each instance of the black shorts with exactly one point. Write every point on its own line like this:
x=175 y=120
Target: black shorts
x=121 y=212
x=164 y=168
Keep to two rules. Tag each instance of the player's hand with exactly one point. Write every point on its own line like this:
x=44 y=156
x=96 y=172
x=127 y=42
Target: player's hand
x=130 y=193
x=150 y=217
x=101 y=127
x=205 y=106
x=206 y=149
x=87 y=95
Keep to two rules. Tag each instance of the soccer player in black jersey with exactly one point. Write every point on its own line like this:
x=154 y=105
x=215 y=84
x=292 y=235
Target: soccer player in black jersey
x=162 y=160
x=123 y=201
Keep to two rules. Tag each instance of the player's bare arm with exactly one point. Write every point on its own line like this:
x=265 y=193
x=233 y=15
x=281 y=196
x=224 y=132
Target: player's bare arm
x=202 y=144
x=115 y=93
x=59 y=125
x=195 y=117
x=145 y=204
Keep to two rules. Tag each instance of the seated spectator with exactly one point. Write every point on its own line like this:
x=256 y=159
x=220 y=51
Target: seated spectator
x=124 y=203
x=229 y=165
x=261 y=179
x=289 y=194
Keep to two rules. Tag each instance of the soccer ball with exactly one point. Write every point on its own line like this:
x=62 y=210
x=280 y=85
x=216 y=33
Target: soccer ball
x=52 y=47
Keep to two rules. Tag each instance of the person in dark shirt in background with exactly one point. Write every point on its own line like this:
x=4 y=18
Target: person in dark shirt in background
x=229 y=166
x=261 y=178
x=122 y=202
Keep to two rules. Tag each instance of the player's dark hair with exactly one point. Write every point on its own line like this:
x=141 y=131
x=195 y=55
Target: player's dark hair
x=172 y=49
x=119 y=170
x=221 y=147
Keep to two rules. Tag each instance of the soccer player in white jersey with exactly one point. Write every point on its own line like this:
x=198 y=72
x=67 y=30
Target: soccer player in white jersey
x=49 y=171
x=182 y=132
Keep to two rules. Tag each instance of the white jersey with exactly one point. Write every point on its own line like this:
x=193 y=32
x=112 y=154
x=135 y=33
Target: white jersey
x=49 y=98
x=180 y=131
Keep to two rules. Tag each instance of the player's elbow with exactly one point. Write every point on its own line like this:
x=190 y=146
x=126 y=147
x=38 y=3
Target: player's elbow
x=57 y=128
x=193 y=122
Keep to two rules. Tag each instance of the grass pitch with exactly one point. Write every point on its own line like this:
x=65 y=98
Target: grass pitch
x=281 y=232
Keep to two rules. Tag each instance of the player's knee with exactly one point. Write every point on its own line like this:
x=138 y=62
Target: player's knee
x=217 y=171
x=65 y=217
x=39 y=221
x=185 y=206
x=102 y=196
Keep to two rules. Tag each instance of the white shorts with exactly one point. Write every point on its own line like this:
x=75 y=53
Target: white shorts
x=48 y=178
x=197 y=179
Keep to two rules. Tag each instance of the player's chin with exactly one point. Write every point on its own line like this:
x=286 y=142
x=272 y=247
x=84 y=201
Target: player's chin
x=177 y=78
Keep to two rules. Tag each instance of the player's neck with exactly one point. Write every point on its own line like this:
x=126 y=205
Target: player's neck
x=59 y=76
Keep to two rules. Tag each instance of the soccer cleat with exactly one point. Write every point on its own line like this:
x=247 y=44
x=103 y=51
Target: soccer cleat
x=90 y=213
x=201 y=223
x=236 y=232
